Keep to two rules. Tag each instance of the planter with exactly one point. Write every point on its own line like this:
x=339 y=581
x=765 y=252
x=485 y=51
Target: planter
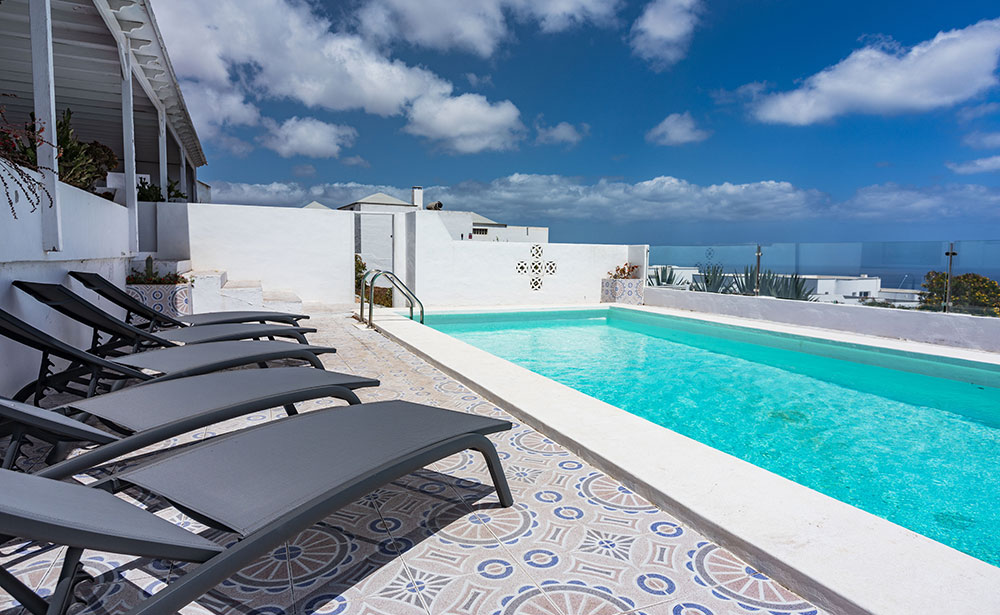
x=170 y=299
x=628 y=292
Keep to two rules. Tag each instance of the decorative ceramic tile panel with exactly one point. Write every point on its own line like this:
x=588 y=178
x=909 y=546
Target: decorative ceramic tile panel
x=628 y=292
x=170 y=299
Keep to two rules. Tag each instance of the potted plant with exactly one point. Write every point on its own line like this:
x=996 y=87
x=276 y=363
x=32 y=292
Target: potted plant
x=169 y=293
x=622 y=286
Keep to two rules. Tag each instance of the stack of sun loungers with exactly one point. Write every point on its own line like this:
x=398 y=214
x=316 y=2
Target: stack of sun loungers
x=149 y=378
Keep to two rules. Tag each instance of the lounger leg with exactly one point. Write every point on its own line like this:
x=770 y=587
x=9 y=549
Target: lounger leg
x=64 y=589
x=496 y=471
x=300 y=337
x=16 y=440
x=22 y=593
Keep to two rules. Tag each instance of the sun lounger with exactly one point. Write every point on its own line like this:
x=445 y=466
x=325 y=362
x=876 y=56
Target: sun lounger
x=323 y=460
x=88 y=374
x=161 y=410
x=158 y=320
x=122 y=336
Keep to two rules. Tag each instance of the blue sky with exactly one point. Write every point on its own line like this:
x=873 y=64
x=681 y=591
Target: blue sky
x=663 y=121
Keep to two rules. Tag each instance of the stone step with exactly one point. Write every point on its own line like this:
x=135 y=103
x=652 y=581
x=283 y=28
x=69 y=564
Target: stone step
x=163 y=267
x=282 y=301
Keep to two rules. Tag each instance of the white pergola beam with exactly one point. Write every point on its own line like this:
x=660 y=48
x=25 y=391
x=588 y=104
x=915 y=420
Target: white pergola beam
x=128 y=142
x=43 y=80
x=162 y=136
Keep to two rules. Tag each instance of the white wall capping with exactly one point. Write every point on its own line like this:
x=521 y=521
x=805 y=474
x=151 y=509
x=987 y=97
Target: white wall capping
x=956 y=330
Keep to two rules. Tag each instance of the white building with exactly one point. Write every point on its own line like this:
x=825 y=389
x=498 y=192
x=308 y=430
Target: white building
x=373 y=226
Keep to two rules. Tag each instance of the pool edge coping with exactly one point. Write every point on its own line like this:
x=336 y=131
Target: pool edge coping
x=719 y=495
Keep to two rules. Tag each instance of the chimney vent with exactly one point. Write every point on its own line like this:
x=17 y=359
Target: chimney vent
x=417 y=197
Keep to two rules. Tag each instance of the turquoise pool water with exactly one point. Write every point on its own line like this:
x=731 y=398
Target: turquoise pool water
x=912 y=439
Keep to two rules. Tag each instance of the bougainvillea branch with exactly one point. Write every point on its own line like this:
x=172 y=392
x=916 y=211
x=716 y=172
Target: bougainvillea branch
x=17 y=165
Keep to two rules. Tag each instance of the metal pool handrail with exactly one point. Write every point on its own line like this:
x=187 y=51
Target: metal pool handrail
x=400 y=286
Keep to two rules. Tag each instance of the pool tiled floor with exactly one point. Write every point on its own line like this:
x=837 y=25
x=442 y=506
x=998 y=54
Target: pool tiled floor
x=436 y=542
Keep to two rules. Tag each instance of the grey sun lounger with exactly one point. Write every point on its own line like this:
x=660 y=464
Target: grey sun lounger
x=161 y=410
x=328 y=459
x=122 y=336
x=158 y=320
x=88 y=374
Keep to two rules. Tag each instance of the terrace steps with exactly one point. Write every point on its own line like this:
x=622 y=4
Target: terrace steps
x=214 y=291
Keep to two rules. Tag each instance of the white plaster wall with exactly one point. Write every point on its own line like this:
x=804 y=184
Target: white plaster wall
x=95 y=238
x=478 y=273
x=309 y=252
x=531 y=234
x=173 y=239
x=961 y=330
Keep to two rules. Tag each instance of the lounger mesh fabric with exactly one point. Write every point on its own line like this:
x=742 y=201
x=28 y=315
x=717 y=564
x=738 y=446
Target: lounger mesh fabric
x=123 y=334
x=76 y=516
x=158 y=403
x=122 y=299
x=258 y=474
x=190 y=360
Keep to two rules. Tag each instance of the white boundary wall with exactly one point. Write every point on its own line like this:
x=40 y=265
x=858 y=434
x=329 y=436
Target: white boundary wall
x=961 y=330
x=454 y=273
x=307 y=251
x=95 y=238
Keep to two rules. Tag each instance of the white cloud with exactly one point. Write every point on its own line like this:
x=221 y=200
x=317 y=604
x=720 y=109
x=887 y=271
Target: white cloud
x=561 y=133
x=980 y=165
x=882 y=78
x=662 y=34
x=475 y=26
x=976 y=111
x=677 y=129
x=304 y=170
x=307 y=136
x=466 y=124
x=284 y=49
x=356 y=161
x=982 y=140
x=521 y=196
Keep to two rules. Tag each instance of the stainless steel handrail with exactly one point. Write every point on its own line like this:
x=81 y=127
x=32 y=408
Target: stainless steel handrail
x=364 y=281
x=400 y=286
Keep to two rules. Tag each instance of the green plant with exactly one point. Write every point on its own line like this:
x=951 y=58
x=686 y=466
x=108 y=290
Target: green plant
x=623 y=272
x=146 y=191
x=80 y=164
x=15 y=165
x=657 y=278
x=713 y=280
x=881 y=303
x=970 y=293
x=149 y=276
x=383 y=296
x=746 y=283
x=788 y=287
x=173 y=192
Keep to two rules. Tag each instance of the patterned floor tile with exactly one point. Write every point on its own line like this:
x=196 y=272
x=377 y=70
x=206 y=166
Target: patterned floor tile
x=436 y=542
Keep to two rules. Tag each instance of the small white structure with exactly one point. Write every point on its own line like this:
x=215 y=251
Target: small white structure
x=902 y=297
x=316 y=205
x=843 y=288
x=373 y=227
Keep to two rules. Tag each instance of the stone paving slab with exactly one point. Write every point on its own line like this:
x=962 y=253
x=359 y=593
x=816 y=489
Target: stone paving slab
x=436 y=541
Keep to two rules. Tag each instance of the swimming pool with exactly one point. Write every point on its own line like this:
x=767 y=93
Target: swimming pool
x=911 y=438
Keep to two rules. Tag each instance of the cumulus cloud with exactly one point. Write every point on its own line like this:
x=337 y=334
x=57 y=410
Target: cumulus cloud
x=968 y=114
x=231 y=53
x=883 y=78
x=662 y=33
x=677 y=129
x=477 y=27
x=982 y=140
x=303 y=170
x=980 y=165
x=356 y=161
x=307 y=136
x=466 y=124
x=562 y=133
x=521 y=196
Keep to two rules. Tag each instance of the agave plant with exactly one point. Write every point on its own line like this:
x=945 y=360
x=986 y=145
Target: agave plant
x=745 y=283
x=792 y=287
x=713 y=280
x=661 y=276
